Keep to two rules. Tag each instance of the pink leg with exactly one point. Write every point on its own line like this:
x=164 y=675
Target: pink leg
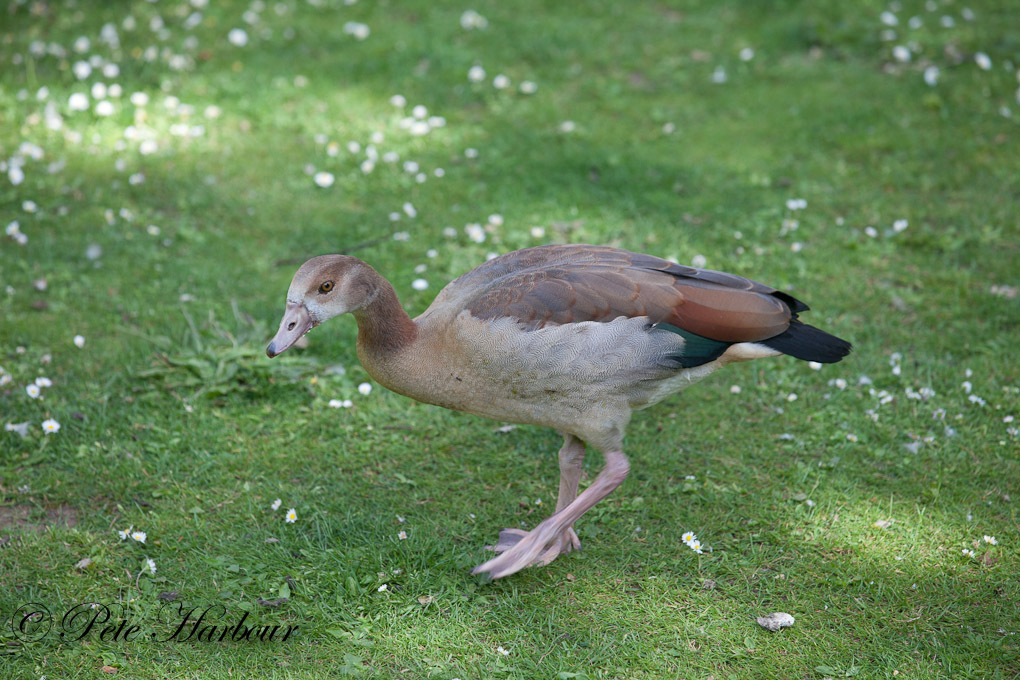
x=543 y=543
x=571 y=460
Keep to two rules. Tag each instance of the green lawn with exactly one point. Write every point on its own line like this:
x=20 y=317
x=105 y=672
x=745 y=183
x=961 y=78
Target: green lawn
x=165 y=233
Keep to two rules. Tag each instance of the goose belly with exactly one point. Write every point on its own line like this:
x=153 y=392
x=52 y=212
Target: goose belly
x=558 y=375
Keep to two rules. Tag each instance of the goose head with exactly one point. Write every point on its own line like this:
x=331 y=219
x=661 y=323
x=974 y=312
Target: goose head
x=323 y=287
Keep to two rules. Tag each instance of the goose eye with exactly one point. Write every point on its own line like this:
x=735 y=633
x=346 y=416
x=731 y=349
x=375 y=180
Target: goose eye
x=326 y=287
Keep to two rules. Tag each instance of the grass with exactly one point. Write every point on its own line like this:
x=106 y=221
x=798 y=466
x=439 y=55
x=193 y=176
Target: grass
x=174 y=423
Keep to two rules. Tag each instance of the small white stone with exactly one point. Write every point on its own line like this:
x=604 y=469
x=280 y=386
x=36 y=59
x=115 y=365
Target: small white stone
x=775 y=621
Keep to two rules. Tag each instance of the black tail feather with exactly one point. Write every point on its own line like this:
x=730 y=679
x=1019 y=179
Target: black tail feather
x=809 y=343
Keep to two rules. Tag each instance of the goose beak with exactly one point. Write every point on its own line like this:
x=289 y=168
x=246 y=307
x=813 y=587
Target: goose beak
x=296 y=322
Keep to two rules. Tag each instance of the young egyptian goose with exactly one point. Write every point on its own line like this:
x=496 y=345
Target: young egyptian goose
x=573 y=337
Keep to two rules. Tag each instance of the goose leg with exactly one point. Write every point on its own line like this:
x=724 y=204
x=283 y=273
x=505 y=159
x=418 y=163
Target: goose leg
x=571 y=459
x=542 y=544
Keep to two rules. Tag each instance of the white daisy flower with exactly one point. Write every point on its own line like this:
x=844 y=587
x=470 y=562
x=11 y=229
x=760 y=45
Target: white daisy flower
x=139 y=536
x=32 y=390
x=471 y=20
x=419 y=284
x=365 y=388
x=402 y=535
x=79 y=101
x=382 y=589
x=42 y=381
x=151 y=564
x=689 y=537
x=275 y=505
x=50 y=426
x=990 y=540
x=237 y=37
x=125 y=533
x=291 y=516
x=79 y=341
x=476 y=74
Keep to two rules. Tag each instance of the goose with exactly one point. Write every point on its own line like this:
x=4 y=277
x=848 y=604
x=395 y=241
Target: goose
x=573 y=337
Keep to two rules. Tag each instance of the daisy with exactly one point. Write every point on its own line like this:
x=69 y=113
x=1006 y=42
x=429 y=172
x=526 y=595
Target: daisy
x=476 y=74
x=291 y=516
x=402 y=535
x=324 y=179
x=125 y=533
x=275 y=505
x=237 y=37
x=20 y=428
x=151 y=564
x=138 y=536
x=419 y=284
x=382 y=588
x=50 y=426
x=32 y=390
x=990 y=540
x=365 y=388
x=43 y=382
x=696 y=546
x=79 y=340
x=689 y=537
x=504 y=652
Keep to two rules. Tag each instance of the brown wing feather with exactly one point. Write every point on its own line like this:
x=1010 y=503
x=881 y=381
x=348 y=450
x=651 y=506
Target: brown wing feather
x=570 y=283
